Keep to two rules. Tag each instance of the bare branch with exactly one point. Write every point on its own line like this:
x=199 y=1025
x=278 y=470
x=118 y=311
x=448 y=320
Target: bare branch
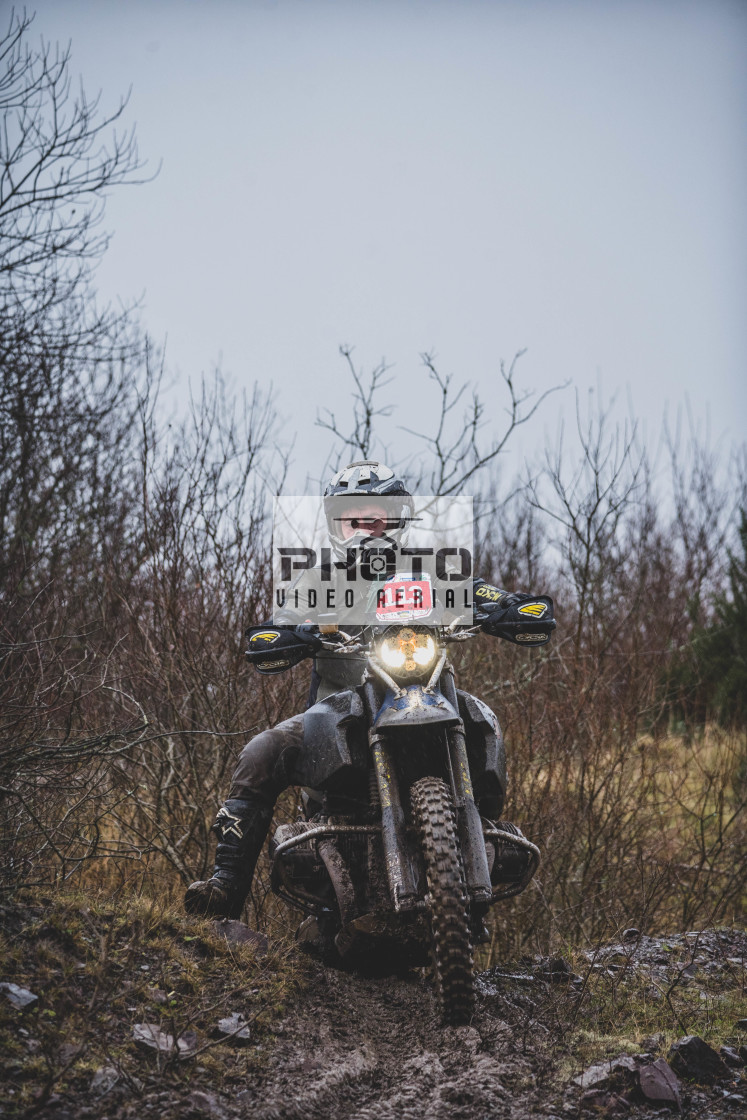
x=460 y=456
x=360 y=441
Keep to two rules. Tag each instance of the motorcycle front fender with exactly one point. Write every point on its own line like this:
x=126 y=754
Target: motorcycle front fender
x=414 y=707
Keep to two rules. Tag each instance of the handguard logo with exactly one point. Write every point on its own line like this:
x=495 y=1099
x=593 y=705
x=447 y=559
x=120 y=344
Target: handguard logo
x=266 y=636
x=372 y=560
x=536 y=610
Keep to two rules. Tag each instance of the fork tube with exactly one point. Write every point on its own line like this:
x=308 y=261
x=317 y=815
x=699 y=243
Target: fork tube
x=393 y=831
x=469 y=825
x=399 y=869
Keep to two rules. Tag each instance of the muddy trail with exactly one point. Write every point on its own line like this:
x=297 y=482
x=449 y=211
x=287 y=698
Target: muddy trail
x=374 y=1049
x=359 y=1049
x=118 y=1011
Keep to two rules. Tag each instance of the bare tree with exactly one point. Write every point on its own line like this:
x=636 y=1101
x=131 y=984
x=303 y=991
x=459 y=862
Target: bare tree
x=72 y=373
x=706 y=510
x=591 y=500
x=465 y=441
x=362 y=437
x=462 y=453
x=59 y=155
x=72 y=378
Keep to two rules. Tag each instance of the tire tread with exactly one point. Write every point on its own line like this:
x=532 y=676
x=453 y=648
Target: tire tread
x=433 y=812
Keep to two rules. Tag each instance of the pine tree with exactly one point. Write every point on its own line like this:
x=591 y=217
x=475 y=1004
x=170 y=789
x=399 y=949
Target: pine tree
x=708 y=678
x=729 y=639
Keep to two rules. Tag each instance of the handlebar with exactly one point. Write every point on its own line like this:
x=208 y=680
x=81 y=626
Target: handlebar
x=343 y=642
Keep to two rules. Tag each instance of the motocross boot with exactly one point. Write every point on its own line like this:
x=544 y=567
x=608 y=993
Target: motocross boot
x=241 y=826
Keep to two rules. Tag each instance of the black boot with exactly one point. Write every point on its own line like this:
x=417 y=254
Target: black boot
x=241 y=825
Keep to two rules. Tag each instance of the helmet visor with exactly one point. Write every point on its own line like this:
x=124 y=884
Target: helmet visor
x=351 y=516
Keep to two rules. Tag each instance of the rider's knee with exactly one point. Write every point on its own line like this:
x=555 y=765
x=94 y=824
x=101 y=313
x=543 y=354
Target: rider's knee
x=266 y=762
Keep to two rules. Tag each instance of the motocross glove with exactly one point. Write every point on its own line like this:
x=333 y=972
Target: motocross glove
x=273 y=649
x=514 y=616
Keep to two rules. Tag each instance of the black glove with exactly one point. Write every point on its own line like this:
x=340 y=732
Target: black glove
x=309 y=634
x=515 y=616
x=273 y=649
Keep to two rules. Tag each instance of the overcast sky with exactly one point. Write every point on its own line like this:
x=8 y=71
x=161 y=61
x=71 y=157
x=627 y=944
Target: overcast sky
x=465 y=178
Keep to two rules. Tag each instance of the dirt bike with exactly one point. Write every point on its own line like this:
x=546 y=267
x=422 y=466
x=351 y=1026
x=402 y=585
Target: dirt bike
x=402 y=852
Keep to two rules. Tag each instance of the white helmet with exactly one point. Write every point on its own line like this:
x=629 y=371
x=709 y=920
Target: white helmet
x=366 y=479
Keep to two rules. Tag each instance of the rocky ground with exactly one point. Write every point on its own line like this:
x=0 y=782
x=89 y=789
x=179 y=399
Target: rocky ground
x=141 y=1013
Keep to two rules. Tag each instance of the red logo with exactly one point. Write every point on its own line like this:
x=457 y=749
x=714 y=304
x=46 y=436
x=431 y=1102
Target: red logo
x=402 y=598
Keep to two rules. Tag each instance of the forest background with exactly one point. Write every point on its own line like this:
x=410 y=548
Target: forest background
x=134 y=550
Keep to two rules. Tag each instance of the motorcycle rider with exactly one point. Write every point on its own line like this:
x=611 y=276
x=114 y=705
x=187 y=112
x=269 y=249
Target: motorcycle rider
x=354 y=511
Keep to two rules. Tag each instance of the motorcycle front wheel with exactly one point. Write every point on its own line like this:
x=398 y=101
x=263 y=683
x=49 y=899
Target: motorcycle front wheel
x=433 y=812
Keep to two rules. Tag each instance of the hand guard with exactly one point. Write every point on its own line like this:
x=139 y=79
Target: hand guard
x=517 y=617
x=273 y=649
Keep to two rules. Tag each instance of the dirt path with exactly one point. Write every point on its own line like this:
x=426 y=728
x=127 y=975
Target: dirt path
x=363 y=1049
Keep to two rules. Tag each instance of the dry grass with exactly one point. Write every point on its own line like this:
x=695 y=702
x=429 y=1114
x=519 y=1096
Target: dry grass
x=635 y=1008
x=653 y=837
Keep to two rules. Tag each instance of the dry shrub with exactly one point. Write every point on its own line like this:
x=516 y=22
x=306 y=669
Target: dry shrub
x=130 y=702
x=127 y=701
x=639 y=826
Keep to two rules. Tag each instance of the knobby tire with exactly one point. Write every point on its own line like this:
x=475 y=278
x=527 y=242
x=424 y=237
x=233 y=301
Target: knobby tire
x=433 y=812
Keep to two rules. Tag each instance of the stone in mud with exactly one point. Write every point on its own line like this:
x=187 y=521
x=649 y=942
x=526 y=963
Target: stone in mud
x=186 y=1044
x=556 y=970
x=731 y=1056
x=103 y=1080
x=659 y=1084
x=19 y=997
x=693 y=1058
x=68 y=1052
x=618 y=1071
x=234 y=1029
x=149 y=1036
x=239 y=934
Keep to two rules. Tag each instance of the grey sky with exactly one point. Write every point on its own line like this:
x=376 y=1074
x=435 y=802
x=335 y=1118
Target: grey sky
x=467 y=178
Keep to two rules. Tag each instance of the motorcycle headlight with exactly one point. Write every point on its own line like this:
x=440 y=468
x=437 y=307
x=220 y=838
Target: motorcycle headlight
x=408 y=650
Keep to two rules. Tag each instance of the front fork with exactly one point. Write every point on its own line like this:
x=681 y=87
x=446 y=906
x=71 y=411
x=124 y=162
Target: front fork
x=469 y=824
x=401 y=874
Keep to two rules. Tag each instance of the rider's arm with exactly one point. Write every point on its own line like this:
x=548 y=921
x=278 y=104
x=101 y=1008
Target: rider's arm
x=513 y=615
